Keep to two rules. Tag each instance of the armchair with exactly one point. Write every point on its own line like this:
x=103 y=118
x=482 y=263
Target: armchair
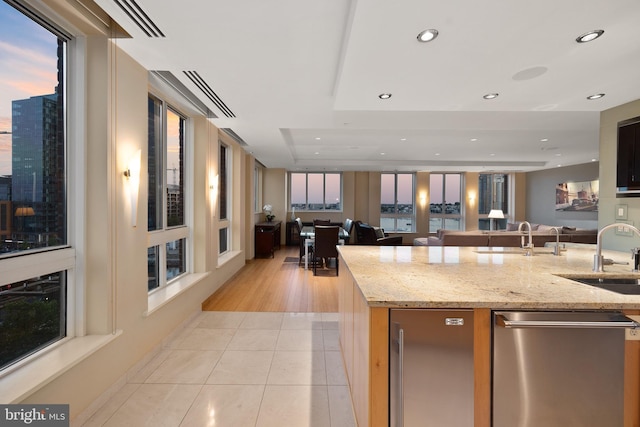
x=368 y=235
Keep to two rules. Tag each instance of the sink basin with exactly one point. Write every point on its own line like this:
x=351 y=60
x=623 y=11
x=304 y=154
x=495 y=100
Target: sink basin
x=510 y=251
x=621 y=285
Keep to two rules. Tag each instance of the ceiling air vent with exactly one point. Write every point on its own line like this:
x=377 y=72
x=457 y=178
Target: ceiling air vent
x=206 y=89
x=235 y=136
x=139 y=17
x=168 y=78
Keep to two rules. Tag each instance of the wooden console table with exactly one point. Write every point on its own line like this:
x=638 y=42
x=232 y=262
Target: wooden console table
x=267 y=238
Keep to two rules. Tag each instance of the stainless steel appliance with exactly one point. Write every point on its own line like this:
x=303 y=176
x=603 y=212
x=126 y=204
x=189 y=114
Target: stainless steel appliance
x=431 y=368
x=558 y=369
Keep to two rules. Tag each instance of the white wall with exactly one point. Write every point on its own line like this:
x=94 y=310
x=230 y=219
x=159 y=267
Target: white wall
x=608 y=151
x=116 y=252
x=541 y=196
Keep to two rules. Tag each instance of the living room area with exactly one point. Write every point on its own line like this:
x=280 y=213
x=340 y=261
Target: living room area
x=527 y=196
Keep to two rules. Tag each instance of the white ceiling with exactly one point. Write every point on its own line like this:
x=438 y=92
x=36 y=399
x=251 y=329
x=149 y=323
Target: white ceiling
x=302 y=77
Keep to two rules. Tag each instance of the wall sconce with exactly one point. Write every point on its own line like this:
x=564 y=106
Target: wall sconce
x=133 y=178
x=472 y=198
x=423 y=199
x=213 y=192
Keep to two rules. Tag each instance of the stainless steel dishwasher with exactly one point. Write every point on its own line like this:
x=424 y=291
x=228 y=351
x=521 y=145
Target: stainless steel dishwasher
x=558 y=369
x=431 y=368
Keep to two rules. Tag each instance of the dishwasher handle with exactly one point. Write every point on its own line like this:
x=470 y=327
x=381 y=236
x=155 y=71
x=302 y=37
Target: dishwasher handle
x=620 y=322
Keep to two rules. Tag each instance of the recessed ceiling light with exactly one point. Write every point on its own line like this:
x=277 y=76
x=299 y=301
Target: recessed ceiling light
x=317 y=138
x=403 y=139
x=474 y=139
x=594 y=160
x=384 y=96
x=590 y=36
x=558 y=154
x=492 y=154
x=316 y=152
x=437 y=154
x=490 y=96
x=559 y=166
x=544 y=139
x=596 y=96
x=427 y=35
x=382 y=154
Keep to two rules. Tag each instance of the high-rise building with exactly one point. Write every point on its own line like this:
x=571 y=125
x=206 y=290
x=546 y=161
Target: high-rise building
x=37 y=183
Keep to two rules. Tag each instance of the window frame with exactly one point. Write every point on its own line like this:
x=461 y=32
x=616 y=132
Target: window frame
x=62 y=258
x=324 y=191
x=166 y=234
x=443 y=216
x=396 y=215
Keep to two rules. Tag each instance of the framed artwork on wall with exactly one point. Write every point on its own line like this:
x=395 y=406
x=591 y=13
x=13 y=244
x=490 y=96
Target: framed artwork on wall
x=578 y=196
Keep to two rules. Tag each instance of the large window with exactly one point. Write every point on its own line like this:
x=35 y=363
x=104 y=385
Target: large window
x=168 y=230
x=445 y=206
x=316 y=191
x=494 y=194
x=33 y=205
x=397 y=202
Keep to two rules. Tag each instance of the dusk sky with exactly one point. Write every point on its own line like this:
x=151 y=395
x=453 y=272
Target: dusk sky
x=29 y=68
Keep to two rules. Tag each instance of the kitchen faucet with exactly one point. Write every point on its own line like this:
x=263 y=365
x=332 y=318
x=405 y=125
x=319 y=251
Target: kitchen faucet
x=557 y=250
x=528 y=248
x=598 y=260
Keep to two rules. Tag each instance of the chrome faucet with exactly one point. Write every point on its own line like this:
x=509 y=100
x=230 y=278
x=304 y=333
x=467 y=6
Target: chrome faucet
x=528 y=248
x=598 y=259
x=557 y=250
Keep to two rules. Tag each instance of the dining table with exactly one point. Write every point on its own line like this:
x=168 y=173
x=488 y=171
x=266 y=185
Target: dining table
x=308 y=233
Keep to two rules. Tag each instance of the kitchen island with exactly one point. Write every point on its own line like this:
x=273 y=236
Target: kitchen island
x=375 y=280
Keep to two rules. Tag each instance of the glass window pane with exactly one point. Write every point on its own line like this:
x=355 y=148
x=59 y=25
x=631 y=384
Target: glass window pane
x=435 y=224
x=32 y=315
x=299 y=191
x=494 y=193
x=404 y=223
x=176 y=262
x=387 y=193
x=452 y=224
x=332 y=191
x=32 y=144
x=224 y=240
x=316 y=190
x=175 y=172
x=155 y=162
x=223 y=188
x=153 y=265
x=435 y=192
x=405 y=193
x=387 y=223
x=452 y=193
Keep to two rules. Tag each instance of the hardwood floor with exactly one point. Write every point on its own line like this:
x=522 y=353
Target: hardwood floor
x=274 y=285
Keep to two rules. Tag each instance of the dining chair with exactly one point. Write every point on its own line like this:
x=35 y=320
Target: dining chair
x=317 y=221
x=325 y=244
x=301 y=239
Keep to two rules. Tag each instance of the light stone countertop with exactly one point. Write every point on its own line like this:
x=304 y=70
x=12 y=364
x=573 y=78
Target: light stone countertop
x=468 y=277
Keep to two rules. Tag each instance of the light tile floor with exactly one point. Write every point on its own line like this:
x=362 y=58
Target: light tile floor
x=240 y=369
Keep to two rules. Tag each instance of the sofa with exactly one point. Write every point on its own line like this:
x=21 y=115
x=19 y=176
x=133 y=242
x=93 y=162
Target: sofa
x=510 y=237
x=369 y=235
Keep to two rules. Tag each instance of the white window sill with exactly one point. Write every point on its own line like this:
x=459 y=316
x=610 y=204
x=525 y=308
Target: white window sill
x=24 y=379
x=162 y=296
x=223 y=259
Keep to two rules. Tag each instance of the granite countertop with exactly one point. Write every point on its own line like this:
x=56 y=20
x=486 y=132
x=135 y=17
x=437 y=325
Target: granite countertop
x=497 y=278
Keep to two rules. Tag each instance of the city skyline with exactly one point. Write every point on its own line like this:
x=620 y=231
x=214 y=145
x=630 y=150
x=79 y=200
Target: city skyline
x=21 y=74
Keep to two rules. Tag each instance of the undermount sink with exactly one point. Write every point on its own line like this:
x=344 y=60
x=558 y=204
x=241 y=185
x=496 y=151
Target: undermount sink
x=621 y=285
x=510 y=251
